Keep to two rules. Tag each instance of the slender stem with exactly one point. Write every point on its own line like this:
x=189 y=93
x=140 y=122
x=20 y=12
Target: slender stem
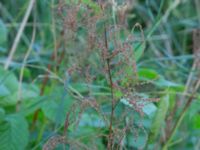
x=42 y=89
x=45 y=81
x=41 y=131
x=180 y=118
x=110 y=136
x=19 y=34
x=110 y=143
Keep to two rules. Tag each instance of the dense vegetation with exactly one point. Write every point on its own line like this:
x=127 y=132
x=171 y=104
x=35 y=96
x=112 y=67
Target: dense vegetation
x=99 y=74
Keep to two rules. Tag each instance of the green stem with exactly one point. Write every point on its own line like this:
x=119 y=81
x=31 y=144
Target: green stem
x=41 y=131
x=178 y=122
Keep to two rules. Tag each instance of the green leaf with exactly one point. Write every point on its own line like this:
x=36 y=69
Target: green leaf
x=14 y=133
x=91 y=120
x=8 y=79
x=92 y=5
x=28 y=92
x=93 y=143
x=149 y=109
x=196 y=121
x=8 y=87
x=30 y=106
x=2 y=113
x=139 y=50
x=3 y=90
x=159 y=118
x=136 y=142
x=125 y=102
x=56 y=108
x=148 y=74
x=162 y=82
x=9 y=100
x=3 y=32
x=118 y=94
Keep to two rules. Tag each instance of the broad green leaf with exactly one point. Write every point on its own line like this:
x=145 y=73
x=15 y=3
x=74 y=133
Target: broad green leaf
x=55 y=108
x=30 y=106
x=3 y=32
x=3 y=91
x=159 y=118
x=14 y=133
x=28 y=92
x=148 y=74
x=8 y=86
x=9 y=100
x=8 y=79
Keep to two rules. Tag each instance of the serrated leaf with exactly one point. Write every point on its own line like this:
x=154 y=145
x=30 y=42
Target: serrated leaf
x=14 y=133
x=159 y=118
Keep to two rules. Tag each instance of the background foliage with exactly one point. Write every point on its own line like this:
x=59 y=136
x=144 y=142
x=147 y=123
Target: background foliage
x=99 y=74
